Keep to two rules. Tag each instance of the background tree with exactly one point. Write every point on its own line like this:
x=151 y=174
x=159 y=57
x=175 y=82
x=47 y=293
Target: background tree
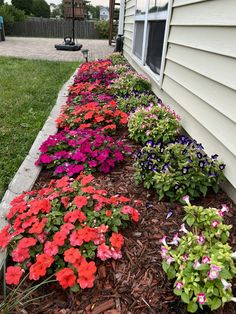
x=40 y=8
x=10 y=15
x=25 y=5
x=94 y=10
x=1 y=2
x=56 y=10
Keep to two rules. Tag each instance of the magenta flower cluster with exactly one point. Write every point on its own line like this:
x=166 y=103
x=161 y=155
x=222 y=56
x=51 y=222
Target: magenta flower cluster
x=72 y=151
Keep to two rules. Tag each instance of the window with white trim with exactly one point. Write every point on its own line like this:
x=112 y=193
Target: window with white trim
x=149 y=34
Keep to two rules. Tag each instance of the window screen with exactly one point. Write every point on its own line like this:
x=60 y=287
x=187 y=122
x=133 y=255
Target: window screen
x=155 y=45
x=138 y=40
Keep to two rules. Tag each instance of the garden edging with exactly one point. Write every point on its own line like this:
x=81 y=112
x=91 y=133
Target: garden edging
x=28 y=172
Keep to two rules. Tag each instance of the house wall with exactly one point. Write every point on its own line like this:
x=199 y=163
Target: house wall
x=199 y=79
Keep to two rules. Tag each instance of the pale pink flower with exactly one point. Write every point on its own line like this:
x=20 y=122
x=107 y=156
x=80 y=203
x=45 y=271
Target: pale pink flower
x=164 y=252
x=183 y=229
x=50 y=248
x=175 y=240
x=215 y=223
x=186 y=199
x=196 y=264
x=201 y=239
x=214 y=272
x=163 y=241
x=206 y=260
x=169 y=260
x=179 y=285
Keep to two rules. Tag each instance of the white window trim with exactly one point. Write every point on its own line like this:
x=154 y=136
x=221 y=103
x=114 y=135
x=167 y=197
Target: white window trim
x=158 y=78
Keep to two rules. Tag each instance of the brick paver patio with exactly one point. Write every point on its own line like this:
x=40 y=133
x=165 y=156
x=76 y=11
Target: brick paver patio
x=43 y=48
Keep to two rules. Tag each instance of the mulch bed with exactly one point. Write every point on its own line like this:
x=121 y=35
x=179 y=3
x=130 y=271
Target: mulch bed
x=136 y=284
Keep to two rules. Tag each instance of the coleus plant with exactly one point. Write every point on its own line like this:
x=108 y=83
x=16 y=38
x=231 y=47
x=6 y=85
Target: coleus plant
x=61 y=229
x=72 y=151
x=200 y=259
x=93 y=115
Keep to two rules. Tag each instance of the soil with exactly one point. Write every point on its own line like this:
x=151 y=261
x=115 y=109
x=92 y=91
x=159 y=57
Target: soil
x=136 y=284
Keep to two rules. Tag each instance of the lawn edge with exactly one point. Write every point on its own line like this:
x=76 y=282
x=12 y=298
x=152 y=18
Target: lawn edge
x=28 y=172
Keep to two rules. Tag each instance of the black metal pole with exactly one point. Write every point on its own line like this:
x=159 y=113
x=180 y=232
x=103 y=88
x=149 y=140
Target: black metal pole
x=73 y=19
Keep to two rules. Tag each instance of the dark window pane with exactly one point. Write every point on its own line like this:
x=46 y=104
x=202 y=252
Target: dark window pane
x=155 y=45
x=138 y=41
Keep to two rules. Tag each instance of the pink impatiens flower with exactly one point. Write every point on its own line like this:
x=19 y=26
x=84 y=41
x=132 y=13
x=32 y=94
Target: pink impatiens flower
x=104 y=252
x=196 y=264
x=201 y=298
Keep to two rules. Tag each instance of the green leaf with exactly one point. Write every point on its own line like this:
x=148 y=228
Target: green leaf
x=192 y=307
x=177 y=292
x=185 y=297
x=171 y=272
x=165 y=266
x=75 y=288
x=216 y=303
x=190 y=220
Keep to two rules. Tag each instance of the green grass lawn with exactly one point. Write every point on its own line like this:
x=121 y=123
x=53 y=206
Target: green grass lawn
x=28 y=91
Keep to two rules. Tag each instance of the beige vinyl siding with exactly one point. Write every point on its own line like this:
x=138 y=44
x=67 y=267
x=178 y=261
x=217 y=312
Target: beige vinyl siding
x=200 y=75
x=129 y=26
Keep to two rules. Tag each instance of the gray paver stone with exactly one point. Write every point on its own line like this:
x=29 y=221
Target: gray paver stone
x=25 y=177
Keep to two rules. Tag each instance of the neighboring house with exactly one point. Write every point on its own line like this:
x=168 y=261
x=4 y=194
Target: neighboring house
x=188 y=50
x=104 y=14
x=79 y=9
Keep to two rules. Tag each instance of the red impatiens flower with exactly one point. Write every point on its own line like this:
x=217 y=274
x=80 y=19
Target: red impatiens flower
x=117 y=240
x=59 y=238
x=80 y=201
x=5 y=237
x=38 y=227
x=20 y=254
x=86 y=273
x=66 y=277
x=13 y=275
x=26 y=242
x=86 y=179
x=39 y=269
x=73 y=256
x=104 y=252
x=75 y=215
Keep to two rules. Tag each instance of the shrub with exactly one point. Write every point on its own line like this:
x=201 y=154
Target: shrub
x=177 y=168
x=133 y=101
x=61 y=228
x=103 y=29
x=130 y=82
x=72 y=151
x=201 y=260
x=10 y=15
x=92 y=115
x=156 y=121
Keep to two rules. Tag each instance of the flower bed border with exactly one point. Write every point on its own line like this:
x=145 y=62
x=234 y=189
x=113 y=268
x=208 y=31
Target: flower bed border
x=28 y=172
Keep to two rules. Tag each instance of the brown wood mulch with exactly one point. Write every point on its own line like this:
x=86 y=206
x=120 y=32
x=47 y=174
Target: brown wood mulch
x=136 y=284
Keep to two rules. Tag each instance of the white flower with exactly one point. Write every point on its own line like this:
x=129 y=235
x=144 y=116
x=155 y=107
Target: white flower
x=233 y=299
x=226 y=284
x=233 y=255
x=175 y=240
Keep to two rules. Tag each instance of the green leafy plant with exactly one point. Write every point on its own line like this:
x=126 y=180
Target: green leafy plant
x=10 y=15
x=201 y=260
x=117 y=58
x=155 y=121
x=130 y=82
x=177 y=168
x=133 y=101
x=103 y=28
